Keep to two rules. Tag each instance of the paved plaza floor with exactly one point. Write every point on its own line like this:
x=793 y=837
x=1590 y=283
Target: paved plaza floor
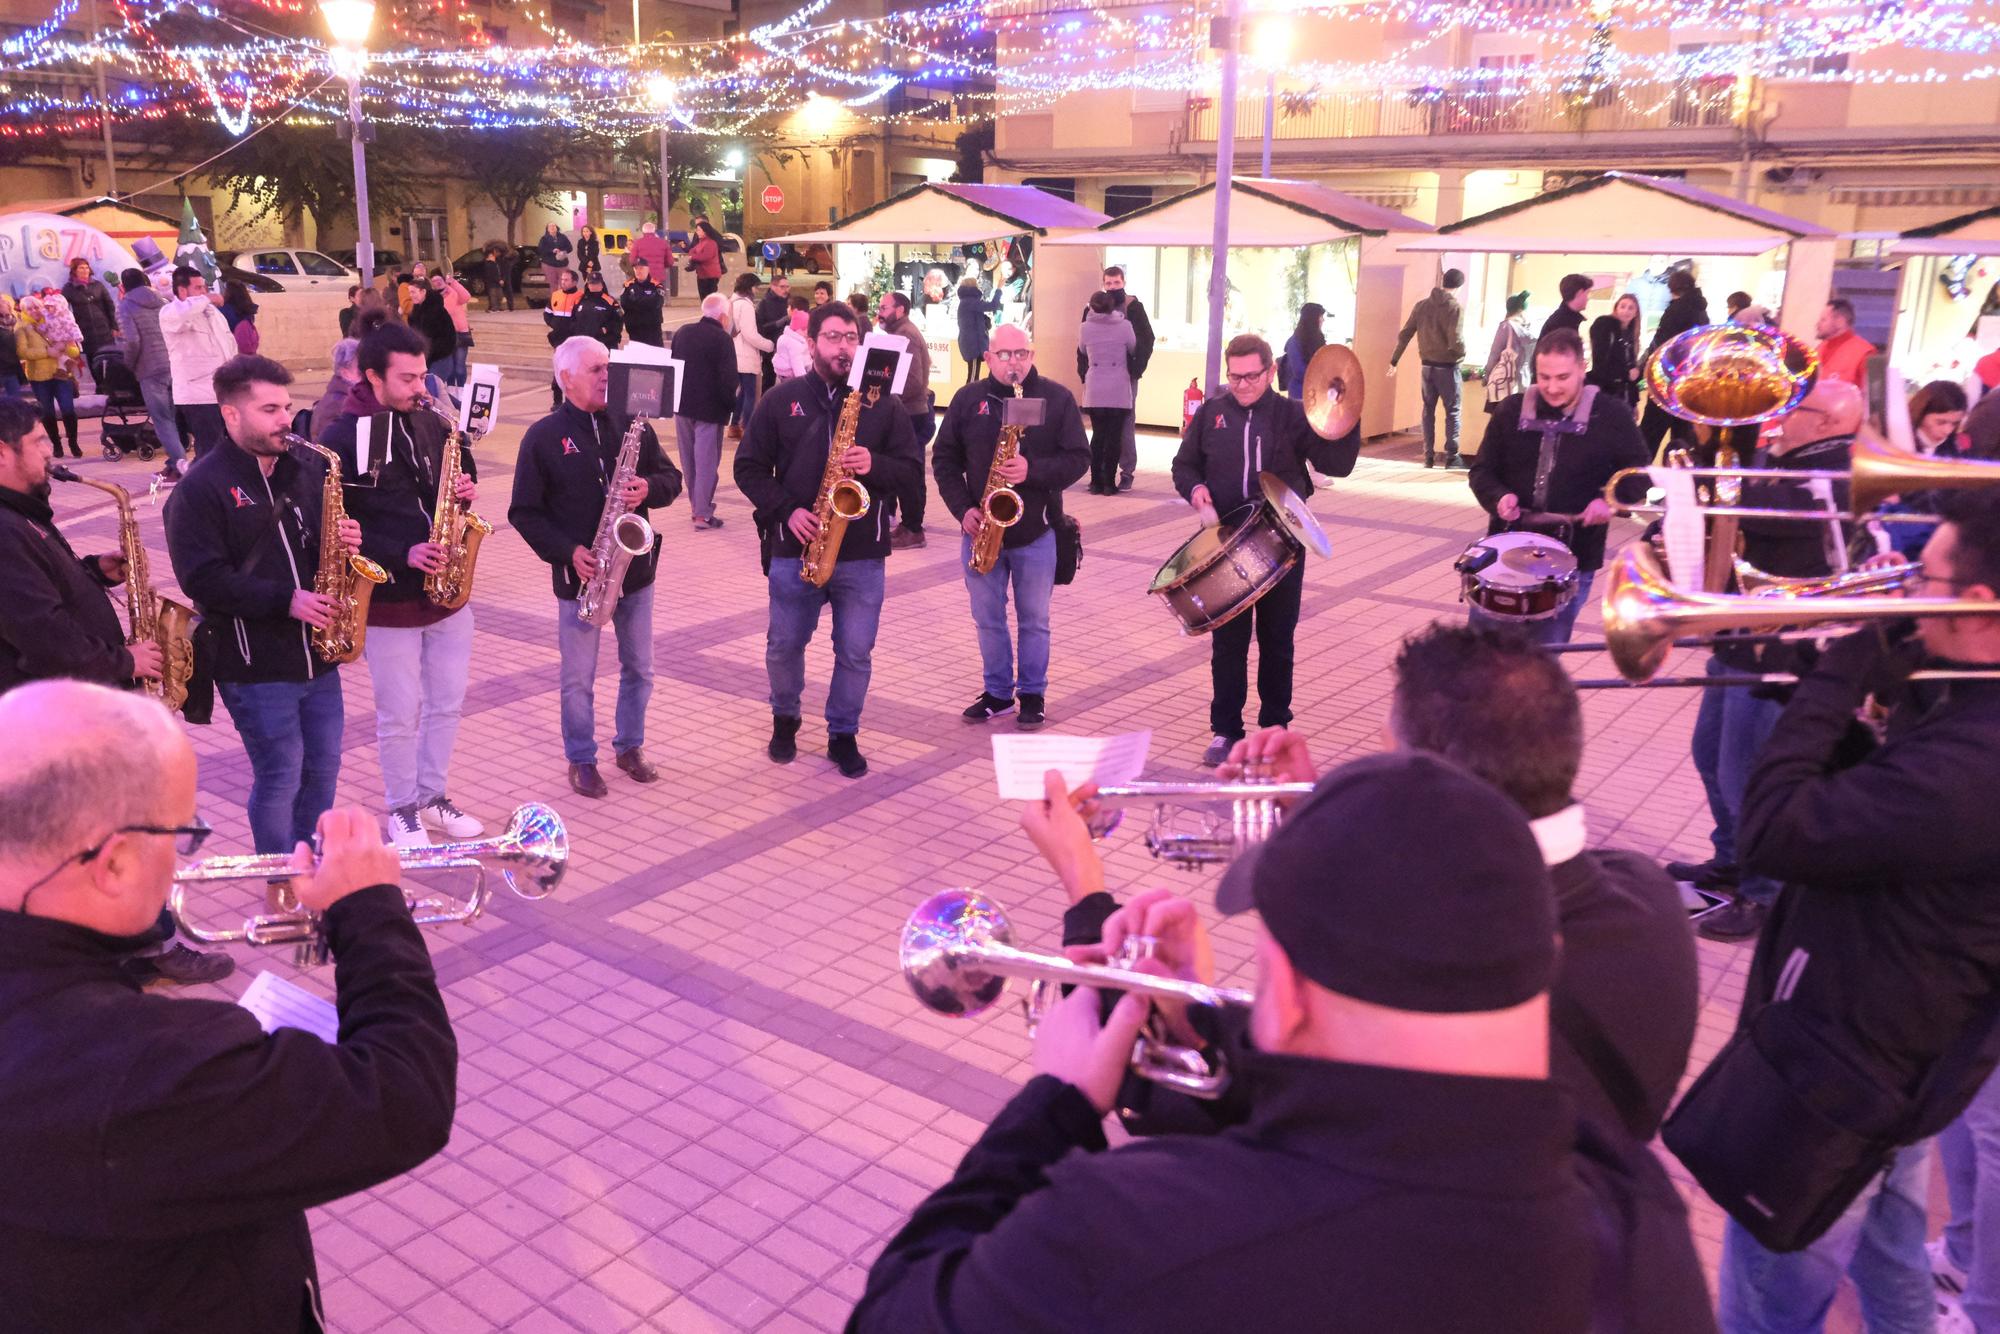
x=695 y=1093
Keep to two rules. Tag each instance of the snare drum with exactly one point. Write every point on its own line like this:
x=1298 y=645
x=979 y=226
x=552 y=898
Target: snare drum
x=1220 y=572
x=1521 y=576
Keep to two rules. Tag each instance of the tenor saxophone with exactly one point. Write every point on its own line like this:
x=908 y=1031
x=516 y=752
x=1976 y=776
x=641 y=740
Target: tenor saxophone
x=841 y=499
x=622 y=534
x=1000 y=507
x=345 y=578
x=454 y=526
x=152 y=617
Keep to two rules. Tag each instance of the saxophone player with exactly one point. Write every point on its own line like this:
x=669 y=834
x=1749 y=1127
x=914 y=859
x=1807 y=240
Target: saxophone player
x=561 y=487
x=781 y=466
x=243 y=530
x=1050 y=456
x=392 y=458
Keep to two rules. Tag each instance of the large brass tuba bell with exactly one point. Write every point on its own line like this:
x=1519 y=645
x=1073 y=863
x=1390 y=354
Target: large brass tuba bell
x=1731 y=374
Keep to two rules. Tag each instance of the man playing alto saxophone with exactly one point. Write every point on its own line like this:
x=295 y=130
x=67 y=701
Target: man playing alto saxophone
x=561 y=485
x=781 y=466
x=243 y=529
x=392 y=455
x=1051 y=455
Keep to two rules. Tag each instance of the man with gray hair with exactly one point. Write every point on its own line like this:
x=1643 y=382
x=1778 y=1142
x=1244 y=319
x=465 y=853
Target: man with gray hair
x=338 y=386
x=708 y=395
x=160 y=1156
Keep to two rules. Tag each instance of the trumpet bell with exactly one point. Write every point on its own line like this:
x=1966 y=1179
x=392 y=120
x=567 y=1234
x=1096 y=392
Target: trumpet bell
x=1731 y=374
x=1335 y=391
x=934 y=951
x=533 y=853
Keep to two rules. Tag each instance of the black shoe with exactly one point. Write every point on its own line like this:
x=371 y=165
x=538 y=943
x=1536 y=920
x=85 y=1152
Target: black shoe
x=1430 y=461
x=842 y=750
x=1740 y=919
x=1706 y=875
x=633 y=762
x=986 y=708
x=1455 y=461
x=180 y=965
x=586 y=781
x=1125 y=482
x=784 y=747
x=1032 y=716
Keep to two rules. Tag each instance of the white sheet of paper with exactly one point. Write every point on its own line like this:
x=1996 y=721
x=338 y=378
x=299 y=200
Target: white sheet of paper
x=1019 y=762
x=281 y=1004
x=1687 y=544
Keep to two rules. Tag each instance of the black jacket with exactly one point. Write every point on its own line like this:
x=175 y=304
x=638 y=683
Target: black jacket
x=1508 y=458
x=1227 y=445
x=596 y=316
x=774 y=313
x=1141 y=354
x=395 y=498
x=782 y=458
x=1562 y=317
x=588 y=250
x=1791 y=547
x=1057 y=452
x=708 y=370
x=96 y=313
x=160 y=1154
x=643 y=306
x=242 y=544
x=1689 y=311
x=1322 y=1212
x=566 y=462
x=55 y=619
x=1614 y=352
x=10 y=353
x=430 y=318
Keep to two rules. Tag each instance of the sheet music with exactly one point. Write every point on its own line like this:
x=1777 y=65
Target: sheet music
x=1019 y=762
x=1686 y=533
x=281 y=1004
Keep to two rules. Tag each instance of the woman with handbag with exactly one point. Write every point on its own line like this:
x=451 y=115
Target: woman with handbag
x=1508 y=361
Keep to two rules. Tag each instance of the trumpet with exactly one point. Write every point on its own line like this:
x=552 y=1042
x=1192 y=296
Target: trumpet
x=1757 y=583
x=958 y=951
x=531 y=856
x=1255 y=812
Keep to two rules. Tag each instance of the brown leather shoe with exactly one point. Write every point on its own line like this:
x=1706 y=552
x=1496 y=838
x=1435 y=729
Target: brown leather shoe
x=587 y=782
x=634 y=763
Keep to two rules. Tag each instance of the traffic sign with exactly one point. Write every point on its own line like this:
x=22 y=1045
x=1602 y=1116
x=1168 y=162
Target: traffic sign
x=773 y=199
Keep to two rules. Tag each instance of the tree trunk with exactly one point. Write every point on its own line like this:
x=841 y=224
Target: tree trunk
x=513 y=221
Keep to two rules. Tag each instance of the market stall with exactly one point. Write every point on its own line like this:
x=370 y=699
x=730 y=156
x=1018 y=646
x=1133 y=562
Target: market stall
x=1290 y=242
x=39 y=239
x=927 y=240
x=1948 y=305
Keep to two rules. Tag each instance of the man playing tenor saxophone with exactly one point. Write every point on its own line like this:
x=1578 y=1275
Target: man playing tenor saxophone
x=562 y=487
x=394 y=453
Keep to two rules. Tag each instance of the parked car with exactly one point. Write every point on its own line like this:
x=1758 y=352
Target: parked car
x=385 y=260
x=530 y=283
x=256 y=282
x=297 y=270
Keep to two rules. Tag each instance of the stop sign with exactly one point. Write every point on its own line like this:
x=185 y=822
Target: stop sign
x=774 y=199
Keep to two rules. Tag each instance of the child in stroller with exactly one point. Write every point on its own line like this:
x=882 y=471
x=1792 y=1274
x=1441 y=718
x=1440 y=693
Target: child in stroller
x=127 y=427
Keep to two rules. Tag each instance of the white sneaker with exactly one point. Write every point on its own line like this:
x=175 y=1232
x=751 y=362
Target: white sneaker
x=406 y=830
x=1948 y=1276
x=441 y=815
x=1951 y=1317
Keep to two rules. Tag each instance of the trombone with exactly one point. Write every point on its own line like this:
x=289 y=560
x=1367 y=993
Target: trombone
x=1255 y=812
x=531 y=856
x=958 y=951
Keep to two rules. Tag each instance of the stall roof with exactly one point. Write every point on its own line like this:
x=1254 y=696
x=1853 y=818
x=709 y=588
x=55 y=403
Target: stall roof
x=1261 y=213
x=1603 y=216
x=1976 y=233
x=64 y=208
x=941 y=214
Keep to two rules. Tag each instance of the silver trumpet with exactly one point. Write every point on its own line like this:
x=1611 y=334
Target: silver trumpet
x=958 y=952
x=530 y=855
x=1197 y=834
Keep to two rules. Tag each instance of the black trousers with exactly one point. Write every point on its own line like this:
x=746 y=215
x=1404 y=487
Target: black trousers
x=911 y=499
x=204 y=425
x=706 y=286
x=1273 y=620
x=1107 y=440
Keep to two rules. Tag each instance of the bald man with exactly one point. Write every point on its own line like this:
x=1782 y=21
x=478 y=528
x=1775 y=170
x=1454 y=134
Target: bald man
x=1053 y=454
x=160 y=1155
x=708 y=395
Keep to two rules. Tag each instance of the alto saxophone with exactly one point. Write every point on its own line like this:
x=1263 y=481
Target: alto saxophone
x=841 y=499
x=453 y=526
x=153 y=618
x=1000 y=508
x=345 y=578
x=621 y=535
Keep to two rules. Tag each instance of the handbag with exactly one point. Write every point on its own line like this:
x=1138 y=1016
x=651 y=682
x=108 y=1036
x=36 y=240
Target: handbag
x=1069 y=545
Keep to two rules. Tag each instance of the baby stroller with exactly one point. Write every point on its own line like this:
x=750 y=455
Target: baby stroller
x=127 y=425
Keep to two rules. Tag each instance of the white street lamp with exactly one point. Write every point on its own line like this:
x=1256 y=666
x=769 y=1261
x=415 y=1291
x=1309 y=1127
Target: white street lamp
x=348 y=21
x=660 y=92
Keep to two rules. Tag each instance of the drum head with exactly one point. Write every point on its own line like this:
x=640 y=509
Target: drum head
x=1195 y=555
x=1539 y=562
x=1291 y=507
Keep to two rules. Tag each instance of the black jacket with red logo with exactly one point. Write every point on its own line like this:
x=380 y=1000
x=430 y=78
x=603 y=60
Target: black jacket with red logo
x=566 y=463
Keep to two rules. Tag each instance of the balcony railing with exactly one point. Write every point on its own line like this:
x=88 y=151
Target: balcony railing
x=1474 y=108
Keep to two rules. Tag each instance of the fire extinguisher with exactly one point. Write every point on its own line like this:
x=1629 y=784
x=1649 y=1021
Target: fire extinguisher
x=1191 y=403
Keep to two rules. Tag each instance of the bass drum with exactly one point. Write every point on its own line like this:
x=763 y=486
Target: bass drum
x=1519 y=576
x=1220 y=572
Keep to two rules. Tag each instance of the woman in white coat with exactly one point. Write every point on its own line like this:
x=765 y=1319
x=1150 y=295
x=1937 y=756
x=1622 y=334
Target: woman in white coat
x=750 y=349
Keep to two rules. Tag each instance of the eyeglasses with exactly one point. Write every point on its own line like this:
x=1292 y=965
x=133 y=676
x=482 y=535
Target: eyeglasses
x=848 y=339
x=1921 y=578
x=188 y=839
x=1250 y=377
x=1012 y=353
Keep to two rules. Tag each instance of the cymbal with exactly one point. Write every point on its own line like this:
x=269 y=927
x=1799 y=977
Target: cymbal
x=1335 y=391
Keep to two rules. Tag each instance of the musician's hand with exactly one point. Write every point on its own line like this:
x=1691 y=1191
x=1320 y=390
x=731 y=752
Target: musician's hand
x=1070 y=1044
x=1056 y=825
x=1281 y=751
x=466 y=490
x=311 y=608
x=1014 y=471
x=351 y=856
x=1881 y=560
x=1182 y=947
x=584 y=563
x=1508 y=508
x=350 y=535
x=427 y=557
x=804 y=525
x=146 y=660
x=970 y=523
x=112 y=568
x=634 y=492
x=1595 y=513
x=857 y=460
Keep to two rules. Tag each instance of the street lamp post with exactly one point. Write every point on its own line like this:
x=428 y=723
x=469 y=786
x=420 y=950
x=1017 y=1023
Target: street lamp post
x=348 y=21
x=1225 y=33
x=1274 y=47
x=660 y=92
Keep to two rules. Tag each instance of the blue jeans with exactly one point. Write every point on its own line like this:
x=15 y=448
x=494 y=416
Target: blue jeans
x=856 y=594
x=746 y=399
x=1970 y=1150
x=1033 y=570
x=1878 y=1242
x=291 y=731
x=1441 y=385
x=1730 y=728
x=159 y=398
x=419 y=674
x=1555 y=629
x=632 y=622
